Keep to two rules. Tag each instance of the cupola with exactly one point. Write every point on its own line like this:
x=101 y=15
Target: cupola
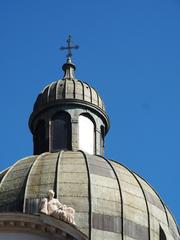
x=69 y=115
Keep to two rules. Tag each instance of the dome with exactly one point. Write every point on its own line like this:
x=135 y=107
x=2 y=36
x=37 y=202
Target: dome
x=73 y=97
x=70 y=98
x=111 y=202
x=69 y=90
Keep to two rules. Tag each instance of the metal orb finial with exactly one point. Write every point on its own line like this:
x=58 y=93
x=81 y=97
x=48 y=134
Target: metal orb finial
x=69 y=47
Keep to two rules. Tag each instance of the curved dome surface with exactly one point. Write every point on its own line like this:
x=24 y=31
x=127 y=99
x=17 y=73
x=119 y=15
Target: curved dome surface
x=111 y=202
x=68 y=89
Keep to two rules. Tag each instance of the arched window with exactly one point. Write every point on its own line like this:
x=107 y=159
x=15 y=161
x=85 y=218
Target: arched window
x=162 y=235
x=61 y=132
x=40 y=141
x=86 y=134
x=102 y=134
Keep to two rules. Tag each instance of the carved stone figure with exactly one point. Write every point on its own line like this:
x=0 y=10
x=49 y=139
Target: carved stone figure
x=51 y=206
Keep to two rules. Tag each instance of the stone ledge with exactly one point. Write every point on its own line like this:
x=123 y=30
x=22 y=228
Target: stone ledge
x=39 y=224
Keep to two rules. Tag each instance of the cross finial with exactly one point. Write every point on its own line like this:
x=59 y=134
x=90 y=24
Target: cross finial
x=69 y=47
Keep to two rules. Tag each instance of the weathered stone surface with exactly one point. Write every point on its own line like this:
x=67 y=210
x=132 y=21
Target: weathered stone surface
x=108 y=198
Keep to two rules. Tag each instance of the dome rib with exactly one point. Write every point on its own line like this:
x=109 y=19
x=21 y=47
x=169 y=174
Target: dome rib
x=57 y=87
x=163 y=205
x=157 y=196
x=74 y=90
x=97 y=96
x=121 y=197
x=148 y=214
x=174 y=220
x=45 y=95
x=12 y=184
x=83 y=90
x=52 y=92
x=73 y=187
x=90 y=90
x=28 y=177
x=57 y=173
x=49 y=91
x=79 y=94
x=89 y=193
x=173 y=225
x=7 y=172
x=106 y=201
x=65 y=88
x=3 y=173
x=147 y=207
x=126 y=220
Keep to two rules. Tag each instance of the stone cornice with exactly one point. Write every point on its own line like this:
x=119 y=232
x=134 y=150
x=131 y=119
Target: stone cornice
x=39 y=224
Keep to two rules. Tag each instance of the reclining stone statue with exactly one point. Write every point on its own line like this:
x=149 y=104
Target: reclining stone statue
x=51 y=206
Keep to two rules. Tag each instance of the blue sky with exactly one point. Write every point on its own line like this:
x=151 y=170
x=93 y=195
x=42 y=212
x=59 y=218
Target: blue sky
x=129 y=51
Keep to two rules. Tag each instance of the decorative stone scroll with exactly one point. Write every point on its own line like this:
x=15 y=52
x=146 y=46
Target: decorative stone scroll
x=51 y=206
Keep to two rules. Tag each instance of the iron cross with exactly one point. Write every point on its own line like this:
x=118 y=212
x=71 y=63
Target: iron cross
x=69 y=47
